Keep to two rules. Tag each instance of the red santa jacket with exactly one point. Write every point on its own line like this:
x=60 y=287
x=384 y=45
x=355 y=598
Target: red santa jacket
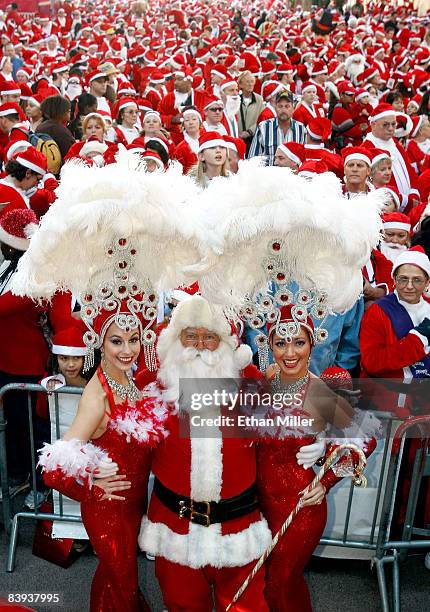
x=11 y=198
x=333 y=161
x=23 y=349
x=345 y=123
x=168 y=110
x=185 y=156
x=305 y=113
x=204 y=469
x=378 y=271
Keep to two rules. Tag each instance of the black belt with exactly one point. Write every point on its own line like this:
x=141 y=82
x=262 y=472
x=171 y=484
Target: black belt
x=206 y=513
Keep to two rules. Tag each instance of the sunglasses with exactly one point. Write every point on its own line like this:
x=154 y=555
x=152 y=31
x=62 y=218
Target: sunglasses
x=217 y=109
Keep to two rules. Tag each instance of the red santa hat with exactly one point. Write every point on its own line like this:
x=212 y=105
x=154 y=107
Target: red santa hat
x=228 y=82
x=417 y=123
x=94 y=75
x=319 y=128
x=404 y=125
x=396 y=220
x=393 y=193
x=318 y=68
x=378 y=155
x=153 y=156
x=308 y=87
x=16 y=228
x=124 y=103
x=33 y=160
x=294 y=151
x=312 y=167
x=12 y=108
x=9 y=88
x=192 y=111
x=211 y=139
x=69 y=342
x=350 y=153
x=93 y=145
x=345 y=87
x=14 y=146
x=415 y=256
x=213 y=101
x=235 y=144
x=382 y=110
x=285 y=68
x=181 y=294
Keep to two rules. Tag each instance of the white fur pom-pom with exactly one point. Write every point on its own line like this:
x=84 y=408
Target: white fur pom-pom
x=243 y=356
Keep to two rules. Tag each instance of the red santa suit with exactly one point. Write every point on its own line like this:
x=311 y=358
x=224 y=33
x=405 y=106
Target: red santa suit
x=267 y=113
x=186 y=152
x=11 y=197
x=306 y=112
x=193 y=553
x=170 y=107
x=345 y=123
x=378 y=271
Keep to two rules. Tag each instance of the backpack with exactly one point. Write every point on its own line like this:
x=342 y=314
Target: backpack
x=47 y=145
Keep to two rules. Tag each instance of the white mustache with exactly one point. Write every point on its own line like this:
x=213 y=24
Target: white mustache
x=208 y=357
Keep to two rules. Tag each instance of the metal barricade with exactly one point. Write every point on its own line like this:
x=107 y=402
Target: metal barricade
x=382 y=550
x=11 y=523
x=392 y=551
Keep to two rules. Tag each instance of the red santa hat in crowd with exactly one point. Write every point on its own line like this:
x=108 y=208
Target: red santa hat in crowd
x=319 y=128
x=12 y=108
x=417 y=123
x=235 y=144
x=211 y=139
x=312 y=167
x=415 y=256
x=381 y=111
x=69 y=342
x=359 y=153
x=396 y=220
x=17 y=226
x=153 y=156
x=393 y=193
x=295 y=151
x=33 y=160
x=378 y=155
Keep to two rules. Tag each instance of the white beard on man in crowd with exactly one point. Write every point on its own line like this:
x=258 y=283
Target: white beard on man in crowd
x=181 y=362
x=392 y=250
x=232 y=106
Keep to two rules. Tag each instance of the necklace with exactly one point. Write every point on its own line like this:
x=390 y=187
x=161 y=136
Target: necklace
x=292 y=388
x=129 y=391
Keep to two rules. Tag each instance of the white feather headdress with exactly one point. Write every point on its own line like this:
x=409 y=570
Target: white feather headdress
x=267 y=224
x=98 y=206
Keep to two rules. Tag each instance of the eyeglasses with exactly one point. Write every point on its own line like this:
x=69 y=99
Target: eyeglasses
x=403 y=281
x=193 y=339
x=388 y=124
x=217 y=109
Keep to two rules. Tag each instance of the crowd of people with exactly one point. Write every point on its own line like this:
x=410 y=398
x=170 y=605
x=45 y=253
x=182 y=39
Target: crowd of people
x=204 y=86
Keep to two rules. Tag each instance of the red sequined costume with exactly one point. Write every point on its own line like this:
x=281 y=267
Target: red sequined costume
x=112 y=525
x=280 y=481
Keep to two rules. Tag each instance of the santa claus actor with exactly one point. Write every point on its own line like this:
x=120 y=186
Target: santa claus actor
x=204 y=525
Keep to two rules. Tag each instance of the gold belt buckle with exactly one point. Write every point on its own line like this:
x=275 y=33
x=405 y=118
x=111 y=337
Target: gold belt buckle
x=202 y=514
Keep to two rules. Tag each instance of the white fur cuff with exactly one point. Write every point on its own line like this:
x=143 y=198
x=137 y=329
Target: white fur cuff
x=72 y=457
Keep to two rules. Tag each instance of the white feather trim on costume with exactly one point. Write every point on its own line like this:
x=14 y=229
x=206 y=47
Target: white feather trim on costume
x=72 y=457
x=243 y=356
x=144 y=428
x=205 y=545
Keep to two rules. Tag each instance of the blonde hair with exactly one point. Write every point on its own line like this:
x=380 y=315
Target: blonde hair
x=99 y=118
x=198 y=171
x=244 y=74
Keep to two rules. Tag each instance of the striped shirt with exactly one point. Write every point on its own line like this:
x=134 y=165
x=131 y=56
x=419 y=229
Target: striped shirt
x=269 y=136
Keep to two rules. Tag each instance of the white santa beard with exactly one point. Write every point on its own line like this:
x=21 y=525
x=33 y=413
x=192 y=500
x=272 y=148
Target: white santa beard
x=232 y=106
x=392 y=250
x=181 y=362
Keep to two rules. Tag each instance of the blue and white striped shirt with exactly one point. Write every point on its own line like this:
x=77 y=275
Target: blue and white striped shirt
x=268 y=136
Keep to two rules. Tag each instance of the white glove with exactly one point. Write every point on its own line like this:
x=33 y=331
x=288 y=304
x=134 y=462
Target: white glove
x=307 y=455
x=106 y=468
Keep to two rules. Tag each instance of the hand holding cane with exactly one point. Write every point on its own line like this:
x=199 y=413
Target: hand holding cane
x=358 y=479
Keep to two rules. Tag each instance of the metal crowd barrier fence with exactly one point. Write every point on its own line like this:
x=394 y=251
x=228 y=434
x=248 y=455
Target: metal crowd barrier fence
x=11 y=522
x=381 y=549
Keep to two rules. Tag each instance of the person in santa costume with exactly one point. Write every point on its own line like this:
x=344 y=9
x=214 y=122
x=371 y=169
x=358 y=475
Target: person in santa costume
x=397 y=228
x=290 y=155
x=204 y=524
x=308 y=108
x=24 y=171
x=395 y=331
x=187 y=150
x=23 y=350
x=383 y=126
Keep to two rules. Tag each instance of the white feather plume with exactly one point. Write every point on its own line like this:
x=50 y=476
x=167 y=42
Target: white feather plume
x=96 y=205
x=328 y=238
